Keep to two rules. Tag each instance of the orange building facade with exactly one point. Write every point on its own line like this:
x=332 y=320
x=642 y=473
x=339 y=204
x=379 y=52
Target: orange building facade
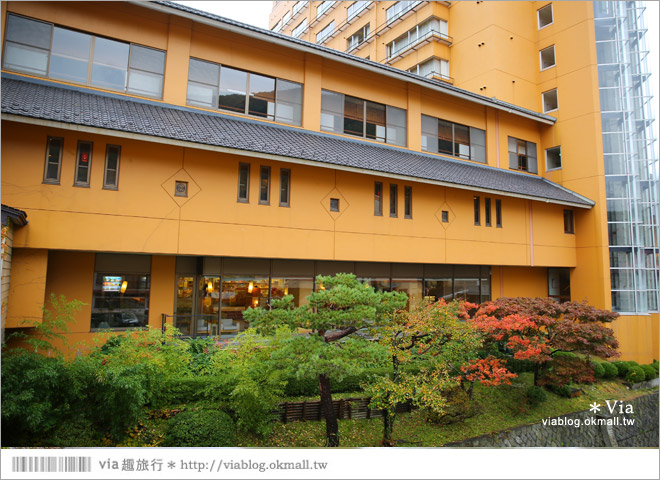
x=179 y=167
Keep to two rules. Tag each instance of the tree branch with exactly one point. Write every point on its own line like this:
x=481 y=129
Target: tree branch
x=334 y=336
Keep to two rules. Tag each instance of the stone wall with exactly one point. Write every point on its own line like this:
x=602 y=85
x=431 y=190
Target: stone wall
x=633 y=423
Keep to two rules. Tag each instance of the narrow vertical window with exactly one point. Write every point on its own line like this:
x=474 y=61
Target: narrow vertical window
x=487 y=211
x=498 y=213
x=477 y=209
x=264 y=185
x=394 y=200
x=83 y=164
x=569 y=226
x=407 y=191
x=285 y=187
x=244 y=182
x=111 y=172
x=378 y=198
x=53 y=160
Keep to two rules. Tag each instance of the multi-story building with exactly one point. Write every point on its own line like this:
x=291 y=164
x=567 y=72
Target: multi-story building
x=175 y=166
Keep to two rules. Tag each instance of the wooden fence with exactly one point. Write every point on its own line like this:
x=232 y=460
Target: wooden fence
x=345 y=408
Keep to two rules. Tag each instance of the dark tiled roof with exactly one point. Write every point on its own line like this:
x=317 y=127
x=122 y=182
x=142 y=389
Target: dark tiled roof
x=357 y=60
x=18 y=217
x=78 y=106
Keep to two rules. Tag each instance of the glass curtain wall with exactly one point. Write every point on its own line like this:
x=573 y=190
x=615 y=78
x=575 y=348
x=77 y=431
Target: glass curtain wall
x=631 y=166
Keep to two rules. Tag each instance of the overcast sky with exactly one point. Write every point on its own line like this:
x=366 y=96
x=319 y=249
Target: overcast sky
x=256 y=13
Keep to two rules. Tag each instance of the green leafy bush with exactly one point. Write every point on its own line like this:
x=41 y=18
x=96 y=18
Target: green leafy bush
x=622 y=368
x=562 y=391
x=599 y=370
x=187 y=389
x=650 y=372
x=610 y=370
x=200 y=428
x=535 y=395
x=201 y=351
x=635 y=374
x=656 y=365
x=36 y=395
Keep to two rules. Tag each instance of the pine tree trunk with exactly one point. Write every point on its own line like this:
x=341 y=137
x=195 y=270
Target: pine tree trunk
x=390 y=415
x=331 y=426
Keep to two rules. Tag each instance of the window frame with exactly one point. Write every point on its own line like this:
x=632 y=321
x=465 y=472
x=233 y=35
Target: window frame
x=76 y=182
x=569 y=222
x=46 y=179
x=407 y=202
x=301 y=27
x=487 y=212
x=394 y=200
x=285 y=172
x=325 y=32
x=547 y=166
x=554 y=58
x=246 y=168
x=106 y=185
x=556 y=107
x=530 y=162
x=538 y=16
x=472 y=137
x=264 y=169
x=498 y=213
x=477 y=210
x=378 y=199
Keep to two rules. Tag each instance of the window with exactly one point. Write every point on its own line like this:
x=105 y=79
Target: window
x=445 y=216
x=378 y=198
x=553 y=158
x=498 y=213
x=244 y=182
x=434 y=67
x=334 y=204
x=111 y=171
x=394 y=200
x=432 y=26
x=522 y=155
x=357 y=38
x=302 y=26
x=441 y=136
x=83 y=164
x=298 y=6
x=225 y=88
x=547 y=56
x=278 y=26
x=326 y=32
x=356 y=8
x=264 y=185
x=407 y=210
x=477 y=209
x=569 y=226
x=362 y=118
x=40 y=48
x=487 y=211
x=545 y=16
x=399 y=9
x=53 y=160
x=550 y=101
x=285 y=187
x=180 y=188
x=286 y=18
x=323 y=7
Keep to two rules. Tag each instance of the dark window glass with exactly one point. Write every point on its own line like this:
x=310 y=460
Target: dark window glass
x=353 y=116
x=264 y=185
x=120 y=300
x=408 y=202
x=83 y=164
x=462 y=141
x=545 y=15
x=111 y=175
x=445 y=137
x=569 y=226
x=262 y=97
x=375 y=125
x=553 y=158
x=233 y=85
x=53 y=160
x=487 y=211
x=378 y=198
x=243 y=182
x=285 y=187
x=394 y=200
x=477 y=208
x=445 y=216
x=498 y=213
x=334 y=204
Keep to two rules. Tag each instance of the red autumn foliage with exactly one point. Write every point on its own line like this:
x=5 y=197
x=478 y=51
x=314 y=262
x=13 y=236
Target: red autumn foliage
x=487 y=371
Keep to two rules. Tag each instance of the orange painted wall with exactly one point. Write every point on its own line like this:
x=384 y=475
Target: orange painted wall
x=27 y=286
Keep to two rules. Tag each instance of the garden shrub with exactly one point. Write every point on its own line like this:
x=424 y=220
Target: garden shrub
x=189 y=389
x=562 y=391
x=519 y=366
x=622 y=368
x=635 y=375
x=36 y=395
x=201 y=351
x=457 y=408
x=656 y=365
x=200 y=428
x=535 y=395
x=650 y=372
x=566 y=368
x=599 y=370
x=610 y=370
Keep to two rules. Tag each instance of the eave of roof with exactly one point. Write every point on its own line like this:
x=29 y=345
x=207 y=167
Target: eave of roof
x=30 y=100
x=18 y=217
x=339 y=56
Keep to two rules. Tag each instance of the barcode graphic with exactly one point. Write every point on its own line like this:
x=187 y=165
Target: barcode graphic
x=51 y=464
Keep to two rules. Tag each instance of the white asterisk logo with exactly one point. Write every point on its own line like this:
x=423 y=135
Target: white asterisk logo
x=595 y=407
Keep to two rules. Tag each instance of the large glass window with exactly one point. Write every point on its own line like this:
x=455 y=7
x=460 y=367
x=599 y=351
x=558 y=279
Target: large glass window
x=299 y=287
x=120 y=300
x=300 y=29
x=355 y=9
x=354 y=116
x=522 y=155
x=357 y=38
x=399 y=9
x=433 y=67
x=213 y=86
x=326 y=32
x=323 y=7
x=238 y=294
x=432 y=26
x=43 y=49
x=453 y=139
